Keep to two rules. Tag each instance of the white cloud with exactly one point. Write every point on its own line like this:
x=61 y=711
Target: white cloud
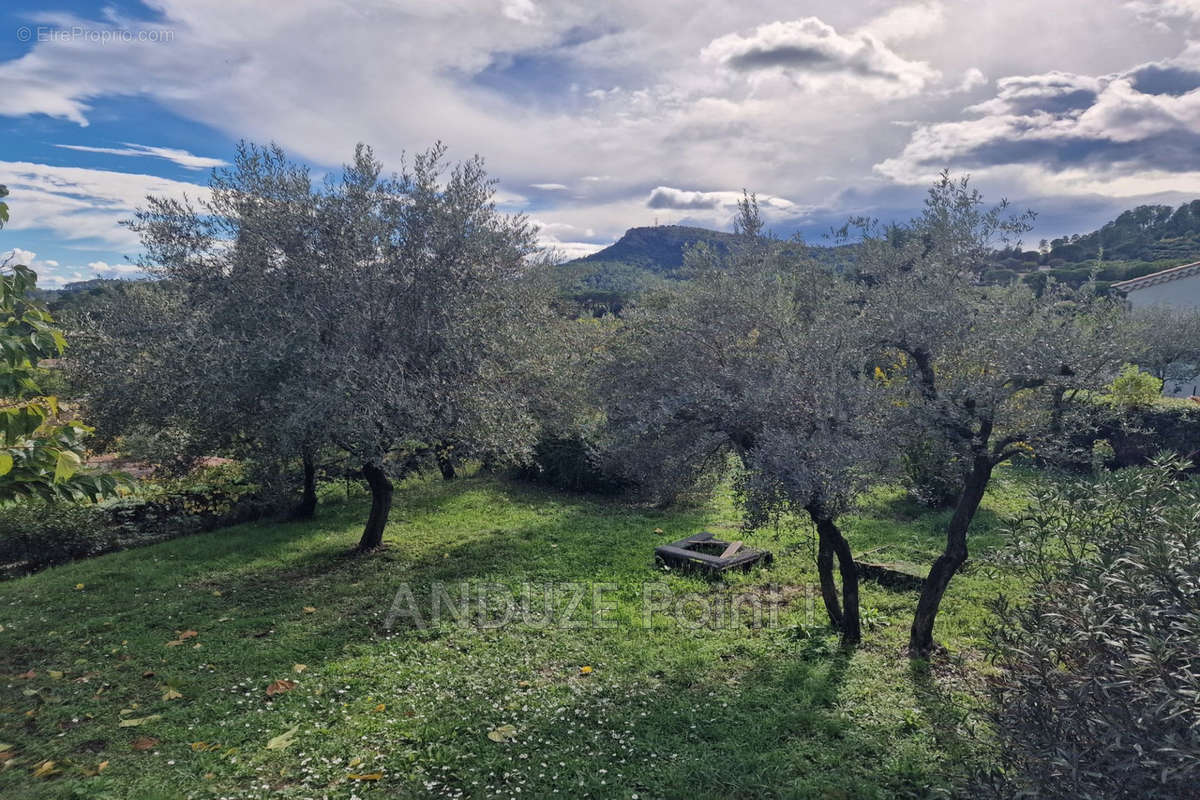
x=103 y=269
x=181 y=157
x=972 y=79
x=666 y=197
x=18 y=256
x=1163 y=12
x=1124 y=134
x=566 y=241
x=76 y=203
x=550 y=187
x=525 y=11
x=815 y=56
x=912 y=21
x=51 y=275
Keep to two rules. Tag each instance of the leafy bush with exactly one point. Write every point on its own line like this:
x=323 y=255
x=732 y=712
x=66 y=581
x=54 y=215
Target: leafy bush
x=932 y=473
x=1134 y=388
x=34 y=536
x=1139 y=434
x=572 y=462
x=1101 y=665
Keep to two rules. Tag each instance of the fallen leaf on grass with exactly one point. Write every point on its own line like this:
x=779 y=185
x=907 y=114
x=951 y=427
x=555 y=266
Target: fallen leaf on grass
x=78 y=587
x=45 y=770
x=135 y=721
x=145 y=743
x=299 y=667
x=585 y=670
x=381 y=707
x=172 y=694
x=310 y=610
x=365 y=776
x=28 y=675
x=103 y=765
x=279 y=687
x=284 y=739
x=205 y=747
x=503 y=733
x=188 y=635
x=56 y=674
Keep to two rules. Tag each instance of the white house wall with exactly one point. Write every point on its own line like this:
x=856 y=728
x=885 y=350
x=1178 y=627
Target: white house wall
x=1178 y=293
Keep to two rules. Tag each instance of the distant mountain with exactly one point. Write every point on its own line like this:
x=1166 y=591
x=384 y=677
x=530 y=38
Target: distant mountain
x=644 y=258
x=659 y=249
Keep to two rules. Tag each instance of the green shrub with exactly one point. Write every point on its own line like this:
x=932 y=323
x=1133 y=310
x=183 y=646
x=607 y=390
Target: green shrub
x=34 y=536
x=1101 y=664
x=573 y=462
x=1139 y=434
x=37 y=534
x=932 y=473
x=1134 y=388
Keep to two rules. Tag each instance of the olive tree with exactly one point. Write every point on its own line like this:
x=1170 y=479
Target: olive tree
x=756 y=357
x=382 y=315
x=213 y=354
x=992 y=372
x=434 y=310
x=1168 y=342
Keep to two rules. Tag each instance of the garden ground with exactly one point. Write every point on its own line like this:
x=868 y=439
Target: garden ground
x=145 y=673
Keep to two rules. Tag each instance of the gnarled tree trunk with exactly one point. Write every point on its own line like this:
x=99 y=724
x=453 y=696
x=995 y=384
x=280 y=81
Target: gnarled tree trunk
x=920 y=640
x=381 y=505
x=830 y=542
x=829 y=592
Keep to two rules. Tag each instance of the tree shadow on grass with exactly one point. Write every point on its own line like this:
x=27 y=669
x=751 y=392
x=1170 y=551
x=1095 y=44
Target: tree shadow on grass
x=954 y=721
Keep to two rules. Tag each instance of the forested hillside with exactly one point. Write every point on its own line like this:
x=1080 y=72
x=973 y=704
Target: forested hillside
x=1138 y=242
x=1145 y=233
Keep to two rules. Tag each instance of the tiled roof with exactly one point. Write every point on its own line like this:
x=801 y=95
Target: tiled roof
x=1155 y=278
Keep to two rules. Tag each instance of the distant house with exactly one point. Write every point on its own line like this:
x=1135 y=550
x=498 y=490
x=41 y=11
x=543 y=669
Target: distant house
x=1177 y=287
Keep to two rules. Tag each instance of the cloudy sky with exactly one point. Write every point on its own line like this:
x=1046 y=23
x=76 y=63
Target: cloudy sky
x=599 y=115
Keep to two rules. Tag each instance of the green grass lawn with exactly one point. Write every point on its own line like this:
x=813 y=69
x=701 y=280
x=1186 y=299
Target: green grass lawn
x=676 y=709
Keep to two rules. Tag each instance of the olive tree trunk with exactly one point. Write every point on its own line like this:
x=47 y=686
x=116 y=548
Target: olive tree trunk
x=381 y=505
x=446 y=465
x=308 y=500
x=920 y=640
x=830 y=542
x=829 y=592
